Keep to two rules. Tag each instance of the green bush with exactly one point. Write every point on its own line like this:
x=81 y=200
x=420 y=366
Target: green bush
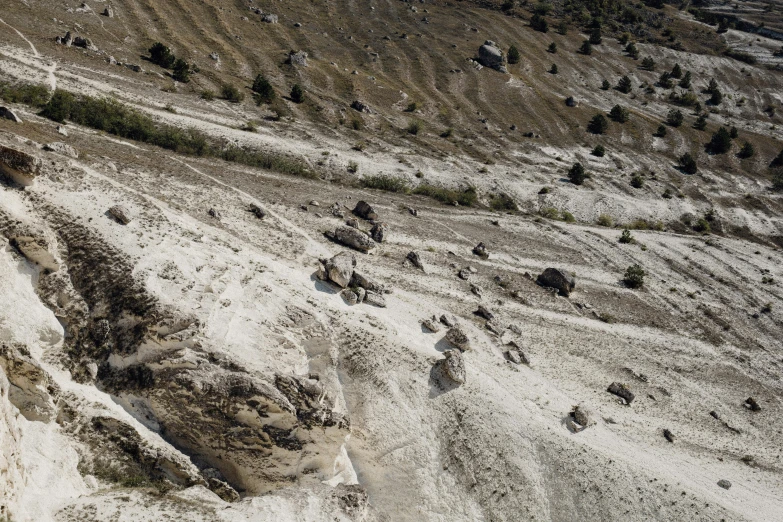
x=552 y=48
x=675 y=118
x=549 y=213
x=595 y=36
x=634 y=276
x=414 y=127
x=660 y=132
x=539 y=23
x=230 y=93
x=586 y=48
x=648 y=64
x=685 y=83
x=702 y=225
x=605 y=220
x=297 y=93
x=412 y=107
x=207 y=95
x=624 y=85
x=701 y=122
x=503 y=202
x=353 y=167
x=466 y=198
x=181 y=71
x=577 y=174
x=33 y=95
x=637 y=181
x=161 y=55
x=513 y=55
x=265 y=93
x=605 y=86
x=626 y=237
x=598 y=125
x=568 y=217
x=720 y=142
x=619 y=114
x=553 y=69
x=676 y=72
x=688 y=164
x=598 y=151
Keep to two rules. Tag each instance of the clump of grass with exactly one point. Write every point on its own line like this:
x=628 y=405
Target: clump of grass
x=502 y=202
x=414 y=127
x=644 y=224
x=33 y=95
x=466 y=198
x=353 y=167
x=567 y=217
x=207 y=95
x=386 y=182
x=605 y=220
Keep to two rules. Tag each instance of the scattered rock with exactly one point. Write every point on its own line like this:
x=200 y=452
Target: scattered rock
x=454 y=366
x=375 y=299
x=121 y=214
x=362 y=281
x=62 y=130
x=582 y=416
x=337 y=211
x=415 y=260
x=725 y=484
x=108 y=12
x=458 y=338
x=361 y=293
x=431 y=324
x=350 y=296
x=353 y=238
x=622 y=391
x=475 y=289
x=214 y=56
x=64 y=149
x=464 y=274
x=413 y=212
x=481 y=251
x=554 y=278
x=85 y=43
x=298 y=58
x=365 y=211
x=214 y=213
x=378 y=232
x=8 y=114
x=668 y=435
x=571 y=102
x=314 y=203
x=752 y=405
x=352 y=222
x=715 y=414
x=269 y=18
x=447 y=320
x=19 y=167
x=485 y=312
x=257 y=211
x=490 y=55
x=223 y=490
x=515 y=354
x=339 y=268
x=133 y=67
x=361 y=107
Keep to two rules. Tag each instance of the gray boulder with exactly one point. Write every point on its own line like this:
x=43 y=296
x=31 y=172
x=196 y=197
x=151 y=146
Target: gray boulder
x=415 y=260
x=454 y=366
x=297 y=58
x=375 y=299
x=622 y=391
x=490 y=55
x=18 y=166
x=362 y=281
x=485 y=312
x=365 y=211
x=431 y=324
x=8 y=114
x=481 y=251
x=121 y=214
x=63 y=149
x=458 y=338
x=558 y=279
x=378 y=232
x=339 y=268
x=725 y=484
x=269 y=18
x=353 y=238
x=257 y=211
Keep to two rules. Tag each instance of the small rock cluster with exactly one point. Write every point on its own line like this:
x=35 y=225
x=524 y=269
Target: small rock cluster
x=357 y=287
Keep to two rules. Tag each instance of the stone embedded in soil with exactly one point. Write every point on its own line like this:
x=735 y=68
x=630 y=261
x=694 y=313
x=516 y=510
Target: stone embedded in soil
x=668 y=435
x=582 y=416
x=415 y=260
x=365 y=211
x=454 y=366
x=481 y=251
x=379 y=231
x=353 y=238
x=622 y=391
x=120 y=214
x=725 y=484
x=554 y=278
x=18 y=166
x=257 y=211
x=752 y=405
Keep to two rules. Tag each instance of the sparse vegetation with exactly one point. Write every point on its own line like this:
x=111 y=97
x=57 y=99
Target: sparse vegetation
x=297 y=93
x=598 y=151
x=386 y=182
x=626 y=237
x=720 y=142
x=634 y=276
x=264 y=92
x=688 y=164
x=466 y=198
x=624 y=85
x=637 y=181
x=230 y=93
x=414 y=127
x=502 y=202
x=577 y=174
x=513 y=55
x=33 y=95
x=605 y=220
x=353 y=167
x=675 y=118
x=619 y=114
x=598 y=125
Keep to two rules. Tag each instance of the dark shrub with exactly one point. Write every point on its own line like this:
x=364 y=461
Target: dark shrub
x=675 y=118
x=265 y=93
x=513 y=54
x=720 y=142
x=161 y=55
x=688 y=164
x=619 y=114
x=577 y=174
x=231 y=93
x=598 y=151
x=181 y=71
x=624 y=85
x=598 y=124
x=634 y=276
x=297 y=93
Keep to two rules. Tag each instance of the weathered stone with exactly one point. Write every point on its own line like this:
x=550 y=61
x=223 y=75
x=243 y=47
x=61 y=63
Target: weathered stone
x=581 y=416
x=558 y=279
x=725 y=484
x=19 y=167
x=485 y=312
x=458 y=338
x=30 y=384
x=64 y=149
x=363 y=281
x=108 y=12
x=8 y=114
x=668 y=435
x=622 y=391
x=353 y=238
x=490 y=55
x=223 y=490
x=213 y=213
x=464 y=274
x=269 y=18
x=431 y=324
x=257 y=211
x=350 y=296
x=352 y=222
x=359 y=106
x=36 y=250
x=454 y=366
x=298 y=58
x=415 y=260
x=365 y=211
x=320 y=272
x=340 y=268
x=448 y=320
x=752 y=405
x=481 y=251
x=361 y=293
x=85 y=43
x=121 y=214
x=378 y=232
x=375 y=299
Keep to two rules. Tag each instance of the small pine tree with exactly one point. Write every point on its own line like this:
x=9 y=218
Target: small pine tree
x=605 y=86
x=733 y=133
x=297 y=93
x=626 y=237
x=161 y=55
x=599 y=151
x=595 y=36
x=723 y=26
x=513 y=54
x=720 y=142
x=637 y=181
x=553 y=69
x=778 y=161
x=712 y=87
x=623 y=39
x=538 y=23
x=688 y=164
x=265 y=93
x=624 y=85
x=685 y=83
x=577 y=174
x=181 y=71
x=701 y=122
x=675 y=118
x=598 y=124
x=676 y=71
x=660 y=132
x=562 y=27
x=648 y=64
x=632 y=51
x=231 y=93
x=587 y=48
x=552 y=48
x=747 y=151
x=634 y=276
x=619 y=114
x=665 y=80
x=716 y=97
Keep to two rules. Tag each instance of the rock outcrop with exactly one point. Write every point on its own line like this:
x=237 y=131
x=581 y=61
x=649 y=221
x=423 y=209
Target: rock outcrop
x=19 y=167
x=490 y=55
x=8 y=114
x=32 y=391
x=64 y=149
x=339 y=268
x=457 y=336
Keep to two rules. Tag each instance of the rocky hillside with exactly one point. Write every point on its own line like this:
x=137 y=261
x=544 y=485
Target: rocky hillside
x=471 y=269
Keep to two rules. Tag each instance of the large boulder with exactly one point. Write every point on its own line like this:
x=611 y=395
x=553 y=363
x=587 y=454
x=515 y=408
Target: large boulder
x=353 y=238
x=8 y=114
x=490 y=55
x=19 y=167
x=454 y=366
x=458 y=338
x=64 y=149
x=558 y=279
x=339 y=269
x=365 y=211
